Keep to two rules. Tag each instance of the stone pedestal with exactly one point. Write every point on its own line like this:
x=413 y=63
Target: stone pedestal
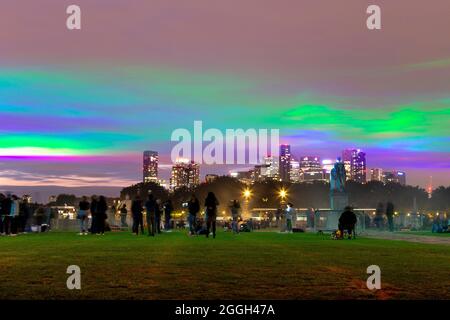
x=338 y=201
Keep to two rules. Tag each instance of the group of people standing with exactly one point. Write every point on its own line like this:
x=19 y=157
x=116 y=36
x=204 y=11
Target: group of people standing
x=154 y=208
x=98 y=209
x=14 y=214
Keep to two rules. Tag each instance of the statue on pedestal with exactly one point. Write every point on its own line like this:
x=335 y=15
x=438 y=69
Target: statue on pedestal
x=338 y=194
x=337 y=178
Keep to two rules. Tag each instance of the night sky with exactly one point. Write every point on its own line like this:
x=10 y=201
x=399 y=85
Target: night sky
x=77 y=108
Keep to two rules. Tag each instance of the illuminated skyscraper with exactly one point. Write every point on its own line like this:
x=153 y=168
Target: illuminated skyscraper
x=311 y=168
x=150 y=168
x=295 y=172
x=355 y=164
x=270 y=168
x=376 y=174
x=185 y=173
x=395 y=177
x=285 y=162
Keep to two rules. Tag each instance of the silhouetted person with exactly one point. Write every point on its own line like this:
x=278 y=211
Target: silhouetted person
x=193 y=208
x=168 y=208
x=211 y=204
x=123 y=216
x=2 y=215
x=378 y=220
x=102 y=208
x=83 y=209
x=158 y=213
x=347 y=221
x=235 y=207
x=390 y=215
x=14 y=215
x=150 y=206
x=93 y=209
x=6 y=214
x=289 y=214
x=136 y=212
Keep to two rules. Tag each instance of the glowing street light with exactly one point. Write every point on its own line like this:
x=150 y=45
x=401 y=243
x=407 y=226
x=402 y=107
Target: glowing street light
x=283 y=194
x=247 y=194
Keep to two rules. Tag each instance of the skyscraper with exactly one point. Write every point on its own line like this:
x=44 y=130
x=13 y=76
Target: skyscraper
x=355 y=164
x=285 y=162
x=150 y=168
x=295 y=172
x=395 y=177
x=311 y=168
x=376 y=174
x=270 y=168
x=185 y=173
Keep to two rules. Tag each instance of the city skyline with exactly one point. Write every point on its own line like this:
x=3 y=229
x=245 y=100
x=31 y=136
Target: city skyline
x=77 y=111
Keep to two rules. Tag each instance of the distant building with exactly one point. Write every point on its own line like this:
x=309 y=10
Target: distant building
x=150 y=167
x=285 y=162
x=295 y=174
x=311 y=168
x=210 y=178
x=395 y=177
x=376 y=174
x=244 y=176
x=185 y=173
x=355 y=164
x=327 y=166
x=270 y=168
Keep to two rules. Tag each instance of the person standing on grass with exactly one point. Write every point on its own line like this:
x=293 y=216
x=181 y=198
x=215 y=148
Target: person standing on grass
x=150 y=205
x=158 y=212
x=6 y=214
x=93 y=209
x=2 y=198
x=193 y=208
x=289 y=214
x=123 y=216
x=83 y=209
x=211 y=204
x=14 y=214
x=235 y=207
x=136 y=212
x=390 y=215
x=102 y=209
x=168 y=208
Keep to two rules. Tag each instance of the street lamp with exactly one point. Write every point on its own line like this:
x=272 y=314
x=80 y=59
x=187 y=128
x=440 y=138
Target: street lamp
x=247 y=193
x=283 y=194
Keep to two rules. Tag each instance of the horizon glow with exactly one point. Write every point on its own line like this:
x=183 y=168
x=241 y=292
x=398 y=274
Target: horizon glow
x=72 y=105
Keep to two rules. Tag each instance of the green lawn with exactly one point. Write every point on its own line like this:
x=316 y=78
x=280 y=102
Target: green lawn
x=247 y=266
x=425 y=233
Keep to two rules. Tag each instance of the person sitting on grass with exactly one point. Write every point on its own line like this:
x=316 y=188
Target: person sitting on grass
x=347 y=221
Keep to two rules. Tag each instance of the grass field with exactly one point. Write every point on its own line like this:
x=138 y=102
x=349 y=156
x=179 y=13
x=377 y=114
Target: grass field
x=247 y=266
x=426 y=233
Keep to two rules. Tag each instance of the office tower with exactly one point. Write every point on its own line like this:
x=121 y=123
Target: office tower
x=376 y=174
x=295 y=172
x=270 y=168
x=285 y=162
x=311 y=168
x=355 y=164
x=185 y=173
x=150 y=168
x=327 y=166
x=395 y=177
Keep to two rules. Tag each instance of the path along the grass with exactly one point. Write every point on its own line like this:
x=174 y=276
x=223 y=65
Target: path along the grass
x=421 y=237
x=246 y=266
